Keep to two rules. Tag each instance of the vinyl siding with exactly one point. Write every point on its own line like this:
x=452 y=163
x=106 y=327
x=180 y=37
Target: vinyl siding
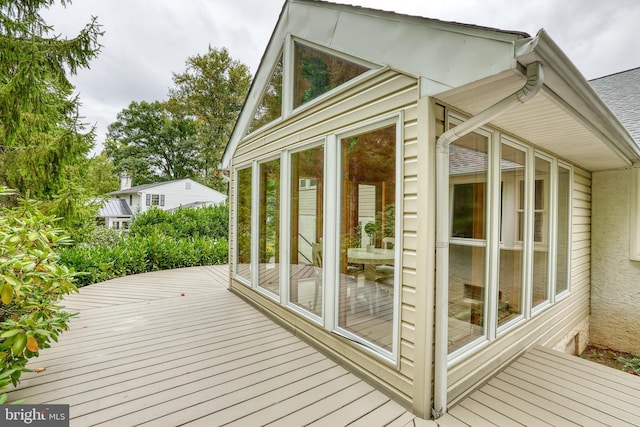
x=383 y=93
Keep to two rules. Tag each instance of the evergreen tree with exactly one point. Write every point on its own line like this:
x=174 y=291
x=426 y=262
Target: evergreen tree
x=41 y=135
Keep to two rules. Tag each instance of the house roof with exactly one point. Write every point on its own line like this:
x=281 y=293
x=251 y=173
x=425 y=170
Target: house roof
x=143 y=187
x=475 y=68
x=621 y=92
x=114 y=208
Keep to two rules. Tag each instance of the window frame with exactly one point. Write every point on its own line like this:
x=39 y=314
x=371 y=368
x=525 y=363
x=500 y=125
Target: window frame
x=246 y=281
x=494 y=243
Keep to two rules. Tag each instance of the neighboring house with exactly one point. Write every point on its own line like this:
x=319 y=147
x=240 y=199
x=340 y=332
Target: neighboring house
x=169 y=195
x=615 y=290
x=464 y=155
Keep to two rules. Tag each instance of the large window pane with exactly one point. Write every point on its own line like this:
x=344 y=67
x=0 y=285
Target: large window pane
x=243 y=224
x=269 y=244
x=513 y=185
x=317 y=72
x=562 y=242
x=468 y=165
x=270 y=107
x=541 y=232
x=306 y=279
x=368 y=235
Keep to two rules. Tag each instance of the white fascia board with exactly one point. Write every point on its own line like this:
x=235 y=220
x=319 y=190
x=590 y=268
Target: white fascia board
x=565 y=81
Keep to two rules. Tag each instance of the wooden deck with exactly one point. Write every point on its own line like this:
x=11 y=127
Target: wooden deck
x=176 y=347
x=547 y=388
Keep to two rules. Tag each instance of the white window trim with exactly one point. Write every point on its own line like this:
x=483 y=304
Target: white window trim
x=396 y=119
x=493 y=244
x=285 y=227
x=236 y=276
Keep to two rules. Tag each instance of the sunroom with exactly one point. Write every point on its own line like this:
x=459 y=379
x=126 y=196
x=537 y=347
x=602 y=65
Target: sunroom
x=413 y=196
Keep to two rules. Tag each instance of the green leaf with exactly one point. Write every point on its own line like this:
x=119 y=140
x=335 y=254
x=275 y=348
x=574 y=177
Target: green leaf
x=6 y=294
x=10 y=333
x=19 y=344
x=33 y=236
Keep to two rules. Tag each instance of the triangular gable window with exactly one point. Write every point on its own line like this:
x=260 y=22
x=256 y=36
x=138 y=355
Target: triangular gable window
x=317 y=72
x=270 y=107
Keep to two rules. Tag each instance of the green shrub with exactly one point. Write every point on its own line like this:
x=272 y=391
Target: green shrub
x=210 y=221
x=32 y=282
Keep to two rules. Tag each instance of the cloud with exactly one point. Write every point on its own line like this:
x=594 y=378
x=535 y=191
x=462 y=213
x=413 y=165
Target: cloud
x=146 y=41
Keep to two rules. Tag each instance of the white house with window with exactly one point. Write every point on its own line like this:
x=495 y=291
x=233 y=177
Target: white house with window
x=414 y=196
x=123 y=204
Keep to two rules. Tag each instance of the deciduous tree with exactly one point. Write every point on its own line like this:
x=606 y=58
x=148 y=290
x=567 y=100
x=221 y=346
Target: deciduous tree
x=212 y=89
x=151 y=142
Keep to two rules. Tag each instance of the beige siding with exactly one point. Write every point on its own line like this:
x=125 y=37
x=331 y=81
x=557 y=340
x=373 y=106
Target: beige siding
x=554 y=324
x=385 y=92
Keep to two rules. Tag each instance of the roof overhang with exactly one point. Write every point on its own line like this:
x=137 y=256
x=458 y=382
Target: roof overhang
x=566 y=118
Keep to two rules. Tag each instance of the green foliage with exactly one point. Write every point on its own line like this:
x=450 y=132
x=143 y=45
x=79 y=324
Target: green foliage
x=40 y=132
x=32 y=282
x=157 y=240
x=213 y=89
x=629 y=364
x=212 y=221
x=152 y=143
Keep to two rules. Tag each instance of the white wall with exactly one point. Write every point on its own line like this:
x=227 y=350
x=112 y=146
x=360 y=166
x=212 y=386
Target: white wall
x=177 y=194
x=615 y=291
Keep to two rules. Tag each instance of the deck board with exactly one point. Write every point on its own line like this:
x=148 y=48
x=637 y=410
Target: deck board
x=176 y=347
x=545 y=387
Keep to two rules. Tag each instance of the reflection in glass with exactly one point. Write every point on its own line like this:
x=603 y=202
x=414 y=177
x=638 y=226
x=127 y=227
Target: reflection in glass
x=468 y=165
x=317 y=72
x=562 y=255
x=512 y=206
x=243 y=224
x=270 y=107
x=269 y=244
x=366 y=292
x=541 y=233
x=306 y=278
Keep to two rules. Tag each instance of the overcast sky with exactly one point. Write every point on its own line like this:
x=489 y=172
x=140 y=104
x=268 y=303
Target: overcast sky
x=146 y=41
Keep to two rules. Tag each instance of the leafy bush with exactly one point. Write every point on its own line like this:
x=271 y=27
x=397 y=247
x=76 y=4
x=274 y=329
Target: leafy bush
x=32 y=281
x=212 y=221
x=158 y=240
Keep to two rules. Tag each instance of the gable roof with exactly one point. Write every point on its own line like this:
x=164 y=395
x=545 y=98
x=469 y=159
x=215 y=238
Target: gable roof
x=475 y=67
x=621 y=92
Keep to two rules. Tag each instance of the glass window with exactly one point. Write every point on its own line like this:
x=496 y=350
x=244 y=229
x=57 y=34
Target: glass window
x=317 y=72
x=563 y=224
x=269 y=228
x=243 y=223
x=512 y=206
x=468 y=166
x=367 y=240
x=307 y=213
x=270 y=107
x=541 y=232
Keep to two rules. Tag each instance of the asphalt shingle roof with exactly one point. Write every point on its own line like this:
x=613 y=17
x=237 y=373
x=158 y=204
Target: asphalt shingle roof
x=621 y=93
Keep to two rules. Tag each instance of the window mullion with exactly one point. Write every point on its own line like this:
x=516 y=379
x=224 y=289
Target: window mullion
x=331 y=224
x=553 y=229
x=285 y=229
x=528 y=243
x=493 y=238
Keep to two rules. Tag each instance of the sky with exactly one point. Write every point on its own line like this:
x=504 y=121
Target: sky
x=146 y=41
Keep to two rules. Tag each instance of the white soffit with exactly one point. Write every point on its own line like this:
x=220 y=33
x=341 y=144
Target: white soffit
x=541 y=121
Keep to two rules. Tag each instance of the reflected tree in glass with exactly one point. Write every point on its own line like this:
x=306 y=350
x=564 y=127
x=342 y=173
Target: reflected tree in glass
x=243 y=223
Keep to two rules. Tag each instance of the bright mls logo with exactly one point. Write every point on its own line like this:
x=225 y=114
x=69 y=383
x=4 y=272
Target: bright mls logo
x=34 y=415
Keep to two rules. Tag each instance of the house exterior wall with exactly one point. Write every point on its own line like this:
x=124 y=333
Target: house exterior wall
x=383 y=93
x=561 y=325
x=615 y=292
